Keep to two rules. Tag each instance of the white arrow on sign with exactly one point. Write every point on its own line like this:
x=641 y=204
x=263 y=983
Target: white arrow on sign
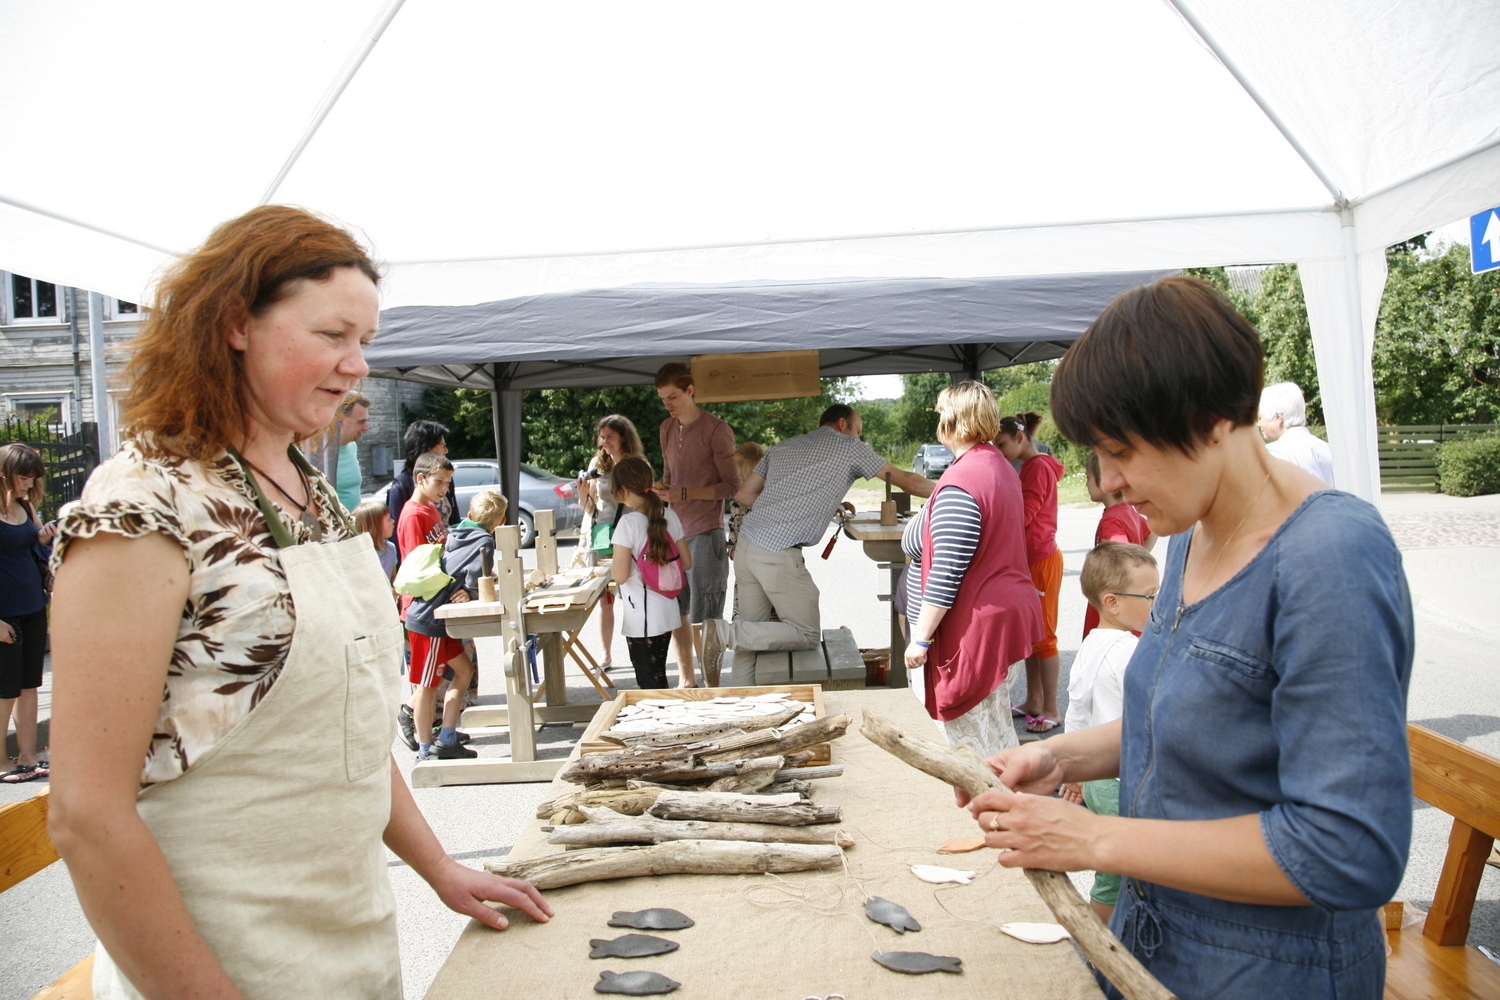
x=1492 y=235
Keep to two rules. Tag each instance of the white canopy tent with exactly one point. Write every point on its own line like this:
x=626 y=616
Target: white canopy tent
x=492 y=151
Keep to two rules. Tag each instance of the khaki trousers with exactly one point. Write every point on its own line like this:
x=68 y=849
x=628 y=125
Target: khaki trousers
x=767 y=581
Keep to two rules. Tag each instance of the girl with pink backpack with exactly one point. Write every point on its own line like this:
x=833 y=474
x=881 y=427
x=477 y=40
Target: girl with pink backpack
x=650 y=566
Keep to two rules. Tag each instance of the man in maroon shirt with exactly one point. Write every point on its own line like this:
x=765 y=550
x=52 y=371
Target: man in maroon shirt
x=699 y=474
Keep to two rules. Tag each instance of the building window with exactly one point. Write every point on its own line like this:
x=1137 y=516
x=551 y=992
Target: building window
x=29 y=299
x=124 y=310
x=43 y=408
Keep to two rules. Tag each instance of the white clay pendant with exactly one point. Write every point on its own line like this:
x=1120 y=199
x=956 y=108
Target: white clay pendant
x=1036 y=933
x=934 y=873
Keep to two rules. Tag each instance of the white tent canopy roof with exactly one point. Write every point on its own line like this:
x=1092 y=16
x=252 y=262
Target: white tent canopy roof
x=494 y=150
x=491 y=151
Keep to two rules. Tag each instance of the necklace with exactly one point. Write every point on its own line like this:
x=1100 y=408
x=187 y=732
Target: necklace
x=308 y=518
x=1233 y=535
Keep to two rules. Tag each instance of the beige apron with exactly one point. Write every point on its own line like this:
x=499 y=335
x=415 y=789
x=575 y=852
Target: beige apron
x=274 y=835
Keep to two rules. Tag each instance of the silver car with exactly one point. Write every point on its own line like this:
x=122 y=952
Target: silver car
x=540 y=490
x=931 y=460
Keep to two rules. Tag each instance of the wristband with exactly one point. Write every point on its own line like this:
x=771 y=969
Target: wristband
x=921 y=644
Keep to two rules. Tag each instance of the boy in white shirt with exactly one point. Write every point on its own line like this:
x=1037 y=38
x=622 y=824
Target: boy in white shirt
x=1120 y=582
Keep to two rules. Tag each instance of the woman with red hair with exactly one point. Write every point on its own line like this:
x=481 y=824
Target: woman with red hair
x=226 y=651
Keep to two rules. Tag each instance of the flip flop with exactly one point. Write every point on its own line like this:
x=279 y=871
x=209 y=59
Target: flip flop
x=1040 y=724
x=1017 y=713
x=24 y=772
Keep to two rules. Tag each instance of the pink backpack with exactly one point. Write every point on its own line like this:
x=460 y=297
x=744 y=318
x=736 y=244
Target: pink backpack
x=666 y=578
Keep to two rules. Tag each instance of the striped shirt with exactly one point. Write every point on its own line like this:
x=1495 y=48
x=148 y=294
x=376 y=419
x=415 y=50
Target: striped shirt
x=955 y=536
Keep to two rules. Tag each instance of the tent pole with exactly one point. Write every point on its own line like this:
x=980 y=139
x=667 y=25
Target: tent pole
x=1360 y=434
x=505 y=414
x=97 y=371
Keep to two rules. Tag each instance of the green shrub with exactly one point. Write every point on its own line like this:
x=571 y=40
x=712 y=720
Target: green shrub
x=1470 y=468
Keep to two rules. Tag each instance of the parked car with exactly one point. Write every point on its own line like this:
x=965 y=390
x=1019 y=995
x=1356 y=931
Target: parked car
x=540 y=490
x=931 y=460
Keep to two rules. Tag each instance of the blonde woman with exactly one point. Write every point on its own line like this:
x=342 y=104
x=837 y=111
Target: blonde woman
x=971 y=607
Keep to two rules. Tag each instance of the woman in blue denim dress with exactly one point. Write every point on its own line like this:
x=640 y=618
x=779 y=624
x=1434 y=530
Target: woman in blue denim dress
x=1265 y=788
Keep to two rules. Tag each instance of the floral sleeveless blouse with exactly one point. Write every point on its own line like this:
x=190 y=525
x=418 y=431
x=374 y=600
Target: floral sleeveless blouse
x=236 y=627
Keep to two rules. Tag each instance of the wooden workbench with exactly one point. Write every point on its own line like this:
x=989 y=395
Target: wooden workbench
x=556 y=615
x=882 y=543
x=782 y=949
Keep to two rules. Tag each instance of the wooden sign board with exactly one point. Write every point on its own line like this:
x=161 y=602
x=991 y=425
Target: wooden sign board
x=733 y=378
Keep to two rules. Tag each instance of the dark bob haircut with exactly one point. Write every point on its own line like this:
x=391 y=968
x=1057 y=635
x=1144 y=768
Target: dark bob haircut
x=1162 y=364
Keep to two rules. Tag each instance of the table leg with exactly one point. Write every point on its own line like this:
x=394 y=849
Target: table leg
x=553 y=666
x=896 y=673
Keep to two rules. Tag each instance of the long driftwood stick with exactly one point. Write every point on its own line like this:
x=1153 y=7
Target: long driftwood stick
x=725 y=807
x=675 y=735
x=601 y=766
x=605 y=826
x=960 y=768
x=747 y=783
x=805 y=735
x=680 y=857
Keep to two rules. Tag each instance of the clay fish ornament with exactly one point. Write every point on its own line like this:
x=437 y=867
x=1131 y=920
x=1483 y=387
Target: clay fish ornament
x=631 y=946
x=655 y=919
x=636 y=984
x=893 y=915
x=934 y=873
x=917 y=963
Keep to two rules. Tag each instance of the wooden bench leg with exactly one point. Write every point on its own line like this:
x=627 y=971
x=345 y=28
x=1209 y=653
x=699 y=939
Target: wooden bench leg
x=75 y=984
x=1448 y=920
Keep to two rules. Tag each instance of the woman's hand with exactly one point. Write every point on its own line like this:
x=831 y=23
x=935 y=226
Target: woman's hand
x=47 y=532
x=464 y=890
x=1071 y=792
x=1032 y=768
x=1039 y=831
x=916 y=656
x=7 y=633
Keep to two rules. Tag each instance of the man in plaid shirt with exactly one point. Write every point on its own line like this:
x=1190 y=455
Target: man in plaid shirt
x=793 y=494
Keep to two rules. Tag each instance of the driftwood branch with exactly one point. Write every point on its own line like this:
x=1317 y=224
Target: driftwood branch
x=779 y=810
x=604 y=766
x=628 y=802
x=673 y=736
x=605 y=826
x=960 y=768
x=680 y=857
x=810 y=773
x=789 y=740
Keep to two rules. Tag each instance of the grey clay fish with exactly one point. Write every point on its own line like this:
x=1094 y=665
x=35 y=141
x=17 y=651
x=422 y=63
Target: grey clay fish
x=656 y=919
x=916 y=963
x=893 y=915
x=631 y=946
x=635 y=984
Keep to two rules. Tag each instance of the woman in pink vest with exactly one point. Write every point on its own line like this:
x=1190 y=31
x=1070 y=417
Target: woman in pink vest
x=972 y=610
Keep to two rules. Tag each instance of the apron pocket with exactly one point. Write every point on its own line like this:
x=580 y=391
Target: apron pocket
x=369 y=705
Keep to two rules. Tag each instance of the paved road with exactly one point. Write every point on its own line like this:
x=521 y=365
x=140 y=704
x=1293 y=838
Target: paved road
x=1452 y=554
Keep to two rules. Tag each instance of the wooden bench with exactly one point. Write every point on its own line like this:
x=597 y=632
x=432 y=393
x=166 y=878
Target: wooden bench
x=1438 y=962
x=25 y=849
x=834 y=663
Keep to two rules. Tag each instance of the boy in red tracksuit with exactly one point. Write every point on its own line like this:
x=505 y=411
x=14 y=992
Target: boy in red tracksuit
x=421 y=524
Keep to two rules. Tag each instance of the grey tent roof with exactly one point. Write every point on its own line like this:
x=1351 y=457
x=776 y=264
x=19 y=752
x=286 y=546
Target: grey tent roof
x=860 y=326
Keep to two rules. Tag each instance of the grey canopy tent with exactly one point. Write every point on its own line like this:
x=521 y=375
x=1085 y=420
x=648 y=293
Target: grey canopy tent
x=621 y=336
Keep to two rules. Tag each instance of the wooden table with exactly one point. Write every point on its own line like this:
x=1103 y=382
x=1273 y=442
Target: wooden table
x=753 y=939
x=556 y=615
x=882 y=543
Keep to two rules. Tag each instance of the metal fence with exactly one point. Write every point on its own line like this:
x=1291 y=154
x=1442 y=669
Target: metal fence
x=1408 y=453
x=69 y=456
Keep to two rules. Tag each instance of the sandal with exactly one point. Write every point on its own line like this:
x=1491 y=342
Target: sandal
x=25 y=772
x=1040 y=724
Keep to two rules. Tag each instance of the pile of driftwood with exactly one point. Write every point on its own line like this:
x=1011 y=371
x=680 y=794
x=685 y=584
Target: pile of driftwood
x=704 y=800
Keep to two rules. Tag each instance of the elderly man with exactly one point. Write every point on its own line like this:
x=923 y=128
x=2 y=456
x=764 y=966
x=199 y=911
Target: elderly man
x=792 y=495
x=1283 y=423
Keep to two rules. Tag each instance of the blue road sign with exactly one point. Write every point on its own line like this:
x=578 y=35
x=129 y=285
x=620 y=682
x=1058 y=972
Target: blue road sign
x=1484 y=240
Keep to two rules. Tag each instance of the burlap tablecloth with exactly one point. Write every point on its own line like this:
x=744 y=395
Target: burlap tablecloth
x=753 y=940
